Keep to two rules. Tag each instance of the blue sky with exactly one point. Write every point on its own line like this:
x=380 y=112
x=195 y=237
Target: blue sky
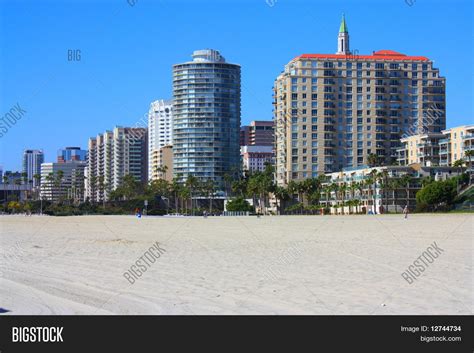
x=127 y=53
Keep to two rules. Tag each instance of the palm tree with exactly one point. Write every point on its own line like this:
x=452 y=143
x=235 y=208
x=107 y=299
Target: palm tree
x=293 y=188
x=17 y=182
x=353 y=188
x=360 y=189
x=24 y=178
x=227 y=183
x=311 y=187
x=366 y=188
x=459 y=163
x=162 y=171
x=372 y=160
x=405 y=183
x=281 y=194
x=393 y=185
x=93 y=184
x=327 y=191
x=175 y=190
x=373 y=181
x=210 y=188
x=191 y=183
x=37 y=178
x=239 y=187
x=382 y=176
x=6 y=181
x=59 y=183
x=342 y=190
x=185 y=194
x=469 y=154
x=335 y=188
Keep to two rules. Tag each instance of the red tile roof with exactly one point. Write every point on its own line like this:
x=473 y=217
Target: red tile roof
x=377 y=55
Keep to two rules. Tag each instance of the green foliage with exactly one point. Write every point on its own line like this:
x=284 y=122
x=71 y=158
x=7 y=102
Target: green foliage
x=239 y=204
x=14 y=206
x=296 y=207
x=437 y=195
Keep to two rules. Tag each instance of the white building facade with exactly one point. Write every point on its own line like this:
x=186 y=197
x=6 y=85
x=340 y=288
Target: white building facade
x=32 y=160
x=160 y=131
x=254 y=158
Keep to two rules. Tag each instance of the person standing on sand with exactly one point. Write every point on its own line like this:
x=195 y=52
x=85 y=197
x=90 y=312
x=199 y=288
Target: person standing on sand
x=405 y=211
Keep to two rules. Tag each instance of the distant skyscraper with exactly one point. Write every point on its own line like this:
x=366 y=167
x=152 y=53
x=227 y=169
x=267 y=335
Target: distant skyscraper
x=332 y=111
x=32 y=160
x=160 y=133
x=111 y=156
x=71 y=185
x=206 y=117
x=258 y=133
x=71 y=154
x=255 y=158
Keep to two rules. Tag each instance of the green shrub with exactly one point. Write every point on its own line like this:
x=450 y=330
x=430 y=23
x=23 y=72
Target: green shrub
x=239 y=204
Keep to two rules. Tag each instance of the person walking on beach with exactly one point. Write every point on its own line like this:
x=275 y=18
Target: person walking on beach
x=405 y=211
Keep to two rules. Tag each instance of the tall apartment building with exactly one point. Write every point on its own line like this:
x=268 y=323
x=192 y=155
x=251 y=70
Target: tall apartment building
x=437 y=149
x=32 y=160
x=111 y=156
x=332 y=111
x=68 y=187
x=71 y=154
x=206 y=117
x=160 y=133
x=258 y=133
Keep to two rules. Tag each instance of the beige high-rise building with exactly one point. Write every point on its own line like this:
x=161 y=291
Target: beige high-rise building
x=161 y=163
x=332 y=111
x=113 y=155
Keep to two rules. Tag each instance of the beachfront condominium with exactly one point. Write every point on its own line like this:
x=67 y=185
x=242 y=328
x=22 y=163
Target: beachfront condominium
x=113 y=155
x=420 y=148
x=206 y=117
x=456 y=142
x=71 y=154
x=434 y=149
x=362 y=193
x=160 y=134
x=257 y=133
x=32 y=160
x=333 y=111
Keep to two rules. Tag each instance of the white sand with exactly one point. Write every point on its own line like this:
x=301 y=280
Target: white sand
x=235 y=265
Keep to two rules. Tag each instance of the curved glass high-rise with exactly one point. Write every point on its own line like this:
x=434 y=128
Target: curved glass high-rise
x=206 y=119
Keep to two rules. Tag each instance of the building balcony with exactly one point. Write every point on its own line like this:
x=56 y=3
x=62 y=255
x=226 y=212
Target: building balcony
x=468 y=148
x=468 y=137
x=427 y=144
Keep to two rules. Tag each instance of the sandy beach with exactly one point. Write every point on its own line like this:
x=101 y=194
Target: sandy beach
x=235 y=265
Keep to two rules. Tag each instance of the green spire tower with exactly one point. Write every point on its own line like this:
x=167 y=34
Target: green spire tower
x=343 y=28
x=343 y=38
